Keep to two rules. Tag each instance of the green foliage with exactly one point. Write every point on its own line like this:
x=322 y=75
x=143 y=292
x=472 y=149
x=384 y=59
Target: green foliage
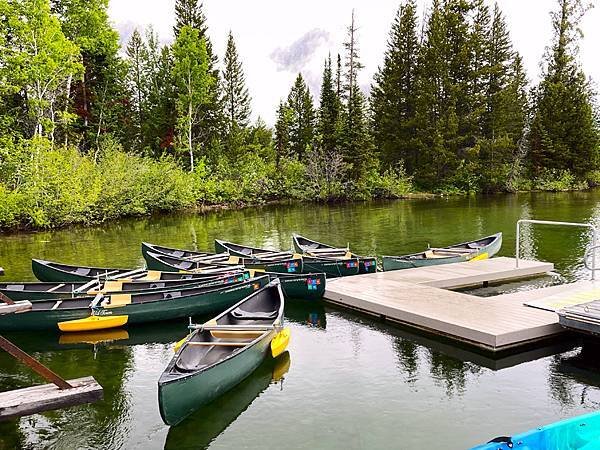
x=564 y=132
x=49 y=187
x=557 y=180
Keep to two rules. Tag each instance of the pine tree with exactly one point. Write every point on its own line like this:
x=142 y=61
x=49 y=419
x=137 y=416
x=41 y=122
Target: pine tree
x=564 y=132
x=329 y=115
x=237 y=97
x=357 y=143
x=432 y=105
x=393 y=96
x=282 y=132
x=302 y=127
x=159 y=126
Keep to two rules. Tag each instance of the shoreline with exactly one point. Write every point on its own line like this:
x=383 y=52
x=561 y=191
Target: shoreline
x=235 y=206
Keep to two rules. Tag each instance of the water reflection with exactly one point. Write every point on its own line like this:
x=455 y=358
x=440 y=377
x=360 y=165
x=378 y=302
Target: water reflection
x=206 y=424
x=308 y=313
x=575 y=378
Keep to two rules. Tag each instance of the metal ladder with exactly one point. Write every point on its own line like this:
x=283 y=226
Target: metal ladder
x=590 y=251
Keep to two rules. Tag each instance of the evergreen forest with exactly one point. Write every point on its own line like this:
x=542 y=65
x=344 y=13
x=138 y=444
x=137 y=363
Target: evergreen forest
x=91 y=131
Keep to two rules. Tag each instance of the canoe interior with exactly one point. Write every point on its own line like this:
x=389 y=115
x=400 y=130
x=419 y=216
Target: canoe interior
x=175 y=252
x=452 y=251
x=84 y=271
x=264 y=307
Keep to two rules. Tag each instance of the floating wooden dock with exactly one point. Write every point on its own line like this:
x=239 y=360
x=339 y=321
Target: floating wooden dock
x=420 y=298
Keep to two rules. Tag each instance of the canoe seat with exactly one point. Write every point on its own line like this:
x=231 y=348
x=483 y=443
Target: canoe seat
x=16 y=287
x=241 y=314
x=430 y=254
x=178 y=254
x=83 y=271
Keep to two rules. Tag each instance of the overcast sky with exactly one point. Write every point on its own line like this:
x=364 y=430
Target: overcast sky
x=276 y=39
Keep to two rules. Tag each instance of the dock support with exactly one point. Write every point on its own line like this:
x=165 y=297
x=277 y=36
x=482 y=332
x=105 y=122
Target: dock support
x=33 y=363
x=60 y=394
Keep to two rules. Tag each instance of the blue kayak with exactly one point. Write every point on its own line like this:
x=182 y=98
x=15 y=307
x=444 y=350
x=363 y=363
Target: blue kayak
x=578 y=433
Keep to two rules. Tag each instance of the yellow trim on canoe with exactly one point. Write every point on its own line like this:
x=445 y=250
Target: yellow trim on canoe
x=233 y=260
x=180 y=342
x=280 y=342
x=296 y=256
x=118 y=300
x=480 y=257
x=93 y=323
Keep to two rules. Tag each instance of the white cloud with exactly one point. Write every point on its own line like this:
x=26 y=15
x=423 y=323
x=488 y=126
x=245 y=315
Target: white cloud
x=270 y=33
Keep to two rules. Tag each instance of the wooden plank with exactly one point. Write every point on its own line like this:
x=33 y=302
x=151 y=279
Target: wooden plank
x=31 y=400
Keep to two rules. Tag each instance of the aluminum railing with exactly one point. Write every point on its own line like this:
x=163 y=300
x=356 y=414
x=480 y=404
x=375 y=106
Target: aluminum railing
x=591 y=251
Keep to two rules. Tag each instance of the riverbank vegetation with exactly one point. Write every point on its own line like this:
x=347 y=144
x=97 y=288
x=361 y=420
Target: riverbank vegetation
x=91 y=132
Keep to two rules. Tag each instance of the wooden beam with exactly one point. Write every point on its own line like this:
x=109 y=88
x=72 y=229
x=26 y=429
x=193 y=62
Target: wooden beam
x=33 y=363
x=35 y=399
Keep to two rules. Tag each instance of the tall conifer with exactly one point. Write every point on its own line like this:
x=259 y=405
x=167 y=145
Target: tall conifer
x=393 y=94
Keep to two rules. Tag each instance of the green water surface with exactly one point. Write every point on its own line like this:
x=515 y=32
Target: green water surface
x=353 y=382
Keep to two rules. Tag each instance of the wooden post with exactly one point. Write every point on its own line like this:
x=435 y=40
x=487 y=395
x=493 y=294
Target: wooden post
x=37 y=366
x=1 y=271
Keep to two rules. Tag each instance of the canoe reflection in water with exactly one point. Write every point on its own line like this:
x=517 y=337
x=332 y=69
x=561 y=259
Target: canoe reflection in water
x=206 y=424
x=311 y=314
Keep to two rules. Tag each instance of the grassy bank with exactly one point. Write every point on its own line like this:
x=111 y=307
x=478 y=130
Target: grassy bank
x=42 y=186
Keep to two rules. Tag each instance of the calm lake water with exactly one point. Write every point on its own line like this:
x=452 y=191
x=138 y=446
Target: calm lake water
x=349 y=381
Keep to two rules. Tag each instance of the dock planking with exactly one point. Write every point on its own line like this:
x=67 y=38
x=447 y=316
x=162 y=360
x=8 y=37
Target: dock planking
x=421 y=298
x=35 y=399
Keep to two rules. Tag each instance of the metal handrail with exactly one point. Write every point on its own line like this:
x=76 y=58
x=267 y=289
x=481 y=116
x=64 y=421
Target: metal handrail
x=593 y=247
x=586 y=256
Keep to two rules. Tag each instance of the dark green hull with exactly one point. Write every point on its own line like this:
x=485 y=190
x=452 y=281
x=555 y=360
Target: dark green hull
x=36 y=296
x=50 y=274
x=409 y=261
x=309 y=286
x=209 y=422
x=287 y=266
x=367 y=265
x=305 y=286
x=332 y=268
x=179 y=397
x=153 y=311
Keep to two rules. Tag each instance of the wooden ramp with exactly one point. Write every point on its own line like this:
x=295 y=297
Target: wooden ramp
x=583 y=318
x=414 y=297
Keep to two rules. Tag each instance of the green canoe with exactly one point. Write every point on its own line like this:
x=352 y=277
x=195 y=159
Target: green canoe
x=367 y=264
x=309 y=286
x=331 y=267
x=205 y=424
x=479 y=249
x=52 y=271
x=160 y=261
x=139 y=308
x=220 y=354
x=46 y=291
